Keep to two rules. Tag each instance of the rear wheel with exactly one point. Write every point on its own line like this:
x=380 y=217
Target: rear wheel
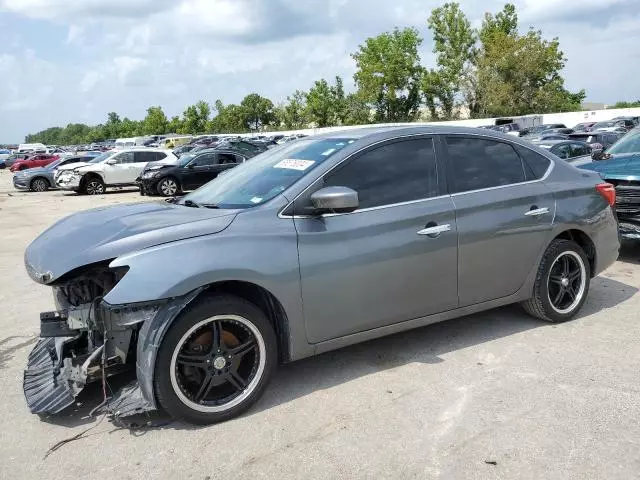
x=94 y=186
x=168 y=187
x=215 y=361
x=39 y=185
x=562 y=282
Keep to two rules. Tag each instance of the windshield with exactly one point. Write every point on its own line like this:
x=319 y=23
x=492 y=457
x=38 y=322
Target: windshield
x=630 y=143
x=184 y=159
x=267 y=175
x=101 y=158
x=53 y=165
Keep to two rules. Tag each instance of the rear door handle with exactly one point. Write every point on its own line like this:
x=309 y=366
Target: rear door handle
x=536 y=212
x=435 y=230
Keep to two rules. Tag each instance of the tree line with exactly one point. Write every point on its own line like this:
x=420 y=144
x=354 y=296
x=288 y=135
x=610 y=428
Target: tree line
x=495 y=70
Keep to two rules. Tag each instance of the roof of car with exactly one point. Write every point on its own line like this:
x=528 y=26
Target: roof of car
x=394 y=130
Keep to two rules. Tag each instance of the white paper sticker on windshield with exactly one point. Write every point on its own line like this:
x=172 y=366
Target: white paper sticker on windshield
x=256 y=200
x=293 y=164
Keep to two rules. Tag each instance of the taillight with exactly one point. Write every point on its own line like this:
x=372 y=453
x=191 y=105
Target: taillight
x=608 y=192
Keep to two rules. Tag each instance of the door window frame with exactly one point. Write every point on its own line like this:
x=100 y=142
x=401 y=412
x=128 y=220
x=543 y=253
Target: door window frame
x=449 y=163
x=313 y=187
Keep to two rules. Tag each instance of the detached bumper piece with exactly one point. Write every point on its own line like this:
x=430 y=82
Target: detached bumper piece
x=44 y=390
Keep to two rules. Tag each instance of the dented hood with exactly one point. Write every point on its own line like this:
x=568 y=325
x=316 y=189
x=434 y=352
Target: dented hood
x=105 y=233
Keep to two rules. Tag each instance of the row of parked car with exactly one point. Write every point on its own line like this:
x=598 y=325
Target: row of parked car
x=155 y=171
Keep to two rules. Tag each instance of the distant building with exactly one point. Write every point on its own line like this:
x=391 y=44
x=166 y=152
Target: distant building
x=593 y=106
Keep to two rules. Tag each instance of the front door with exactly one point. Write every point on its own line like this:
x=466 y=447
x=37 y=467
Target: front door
x=504 y=215
x=120 y=171
x=199 y=171
x=392 y=260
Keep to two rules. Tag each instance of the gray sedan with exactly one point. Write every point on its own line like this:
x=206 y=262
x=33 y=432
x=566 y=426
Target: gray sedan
x=41 y=179
x=312 y=246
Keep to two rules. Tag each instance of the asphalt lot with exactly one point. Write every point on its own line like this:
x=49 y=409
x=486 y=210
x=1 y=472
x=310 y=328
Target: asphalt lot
x=495 y=395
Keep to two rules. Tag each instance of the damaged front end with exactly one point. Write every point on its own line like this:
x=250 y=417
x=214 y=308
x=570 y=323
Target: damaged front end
x=628 y=208
x=84 y=340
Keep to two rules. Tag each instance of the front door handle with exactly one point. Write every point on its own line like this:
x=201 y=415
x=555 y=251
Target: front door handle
x=434 y=230
x=536 y=212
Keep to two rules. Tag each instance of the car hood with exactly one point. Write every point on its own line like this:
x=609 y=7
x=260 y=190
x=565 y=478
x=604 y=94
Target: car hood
x=73 y=166
x=103 y=234
x=31 y=172
x=618 y=167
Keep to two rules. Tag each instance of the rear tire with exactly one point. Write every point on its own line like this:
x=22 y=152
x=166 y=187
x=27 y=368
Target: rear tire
x=206 y=377
x=562 y=283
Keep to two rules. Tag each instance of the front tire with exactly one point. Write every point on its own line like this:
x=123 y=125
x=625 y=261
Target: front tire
x=562 y=283
x=94 y=186
x=39 y=185
x=168 y=187
x=215 y=361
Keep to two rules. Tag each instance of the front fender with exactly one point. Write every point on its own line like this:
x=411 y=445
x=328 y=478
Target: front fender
x=256 y=249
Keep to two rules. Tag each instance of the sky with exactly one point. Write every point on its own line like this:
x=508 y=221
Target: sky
x=64 y=61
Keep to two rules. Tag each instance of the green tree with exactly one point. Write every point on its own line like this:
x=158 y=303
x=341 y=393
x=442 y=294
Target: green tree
x=229 y=119
x=357 y=111
x=320 y=104
x=454 y=46
x=155 y=123
x=196 y=118
x=175 y=125
x=294 y=112
x=113 y=127
x=130 y=128
x=389 y=73
x=257 y=111
x=627 y=104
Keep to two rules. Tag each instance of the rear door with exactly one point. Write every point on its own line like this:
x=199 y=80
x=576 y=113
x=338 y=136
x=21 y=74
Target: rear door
x=392 y=260
x=504 y=214
x=141 y=160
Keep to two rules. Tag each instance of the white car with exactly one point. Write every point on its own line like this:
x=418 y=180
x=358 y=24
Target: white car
x=112 y=169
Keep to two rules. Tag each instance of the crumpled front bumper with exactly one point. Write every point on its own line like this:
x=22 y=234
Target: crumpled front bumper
x=45 y=388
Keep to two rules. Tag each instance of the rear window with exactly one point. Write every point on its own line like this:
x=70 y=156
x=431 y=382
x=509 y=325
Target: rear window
x=535 y=165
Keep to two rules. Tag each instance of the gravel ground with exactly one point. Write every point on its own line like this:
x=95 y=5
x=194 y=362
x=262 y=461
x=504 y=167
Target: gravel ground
x=495 y=395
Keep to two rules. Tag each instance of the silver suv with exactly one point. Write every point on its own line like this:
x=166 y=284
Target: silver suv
x=311 y=246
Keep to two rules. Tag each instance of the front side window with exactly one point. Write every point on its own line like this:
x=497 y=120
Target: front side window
x=480 y=163
x=124 y=157
x=206 y=160
x=394 y=173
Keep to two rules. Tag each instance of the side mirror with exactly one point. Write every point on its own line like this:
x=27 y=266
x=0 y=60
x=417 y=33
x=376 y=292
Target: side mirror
x=112 y=161
x=335 y=200
x=597 y=154
x=191 y=165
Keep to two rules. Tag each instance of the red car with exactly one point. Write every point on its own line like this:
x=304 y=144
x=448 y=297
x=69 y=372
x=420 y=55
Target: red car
x=39 y=160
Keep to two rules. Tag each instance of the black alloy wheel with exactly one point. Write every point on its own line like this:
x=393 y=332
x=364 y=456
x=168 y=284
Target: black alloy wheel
x=562 y=282
x=215 y=361
x=94 y=186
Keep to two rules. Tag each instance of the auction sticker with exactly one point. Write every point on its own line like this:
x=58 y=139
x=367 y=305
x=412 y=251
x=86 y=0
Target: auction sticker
x=293 y=164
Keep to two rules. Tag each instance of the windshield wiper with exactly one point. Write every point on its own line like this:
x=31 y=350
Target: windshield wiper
x=209 y=205
x=190 y=203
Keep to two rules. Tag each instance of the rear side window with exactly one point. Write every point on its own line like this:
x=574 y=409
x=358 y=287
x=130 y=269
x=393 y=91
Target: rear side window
x=535 y=165
x=144 y=157
x=160 y=155
x=394 y=173
x=480 y=163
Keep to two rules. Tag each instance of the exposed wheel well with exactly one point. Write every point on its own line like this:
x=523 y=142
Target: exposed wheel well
x=585 y=242
x=266 y=302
